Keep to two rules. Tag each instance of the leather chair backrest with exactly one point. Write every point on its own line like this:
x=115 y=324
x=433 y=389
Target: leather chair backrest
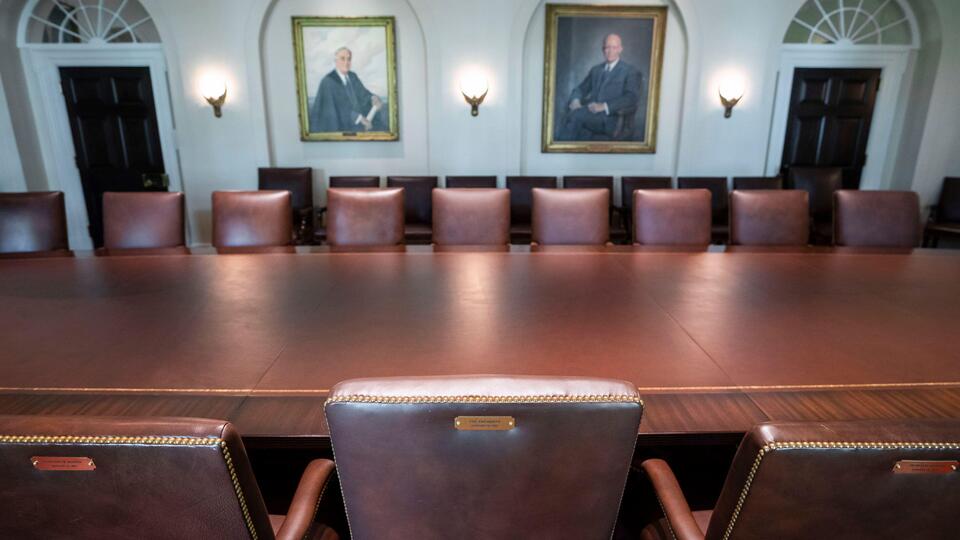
x=629 y=184
x=96 y=477
x=33 y=222
x=142 y=220
x=471 y=216
x=820 y=183
x=840 y=480
x=679 y=217
x=885 y=219
x=471 y=182
x=531 y=457
x=243 y=219
x=365 y=216
x=571 y=216
x=417 y=197
x=948 y=207
x=717 y=185
x=742 y=183
x=297 y=180
x=521 y=195
x=589 y=182
x=354 y=181
x=769 y=217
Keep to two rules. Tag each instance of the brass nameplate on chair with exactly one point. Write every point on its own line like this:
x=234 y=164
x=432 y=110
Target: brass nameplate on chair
x=484 y=423
x=58 y=463
x=917 y=466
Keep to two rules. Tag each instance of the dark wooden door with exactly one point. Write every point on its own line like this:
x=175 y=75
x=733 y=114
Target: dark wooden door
x=115 y=134
x=829 y=120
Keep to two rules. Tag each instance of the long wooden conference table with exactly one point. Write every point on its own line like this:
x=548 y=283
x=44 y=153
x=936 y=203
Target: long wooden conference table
x=716 y=342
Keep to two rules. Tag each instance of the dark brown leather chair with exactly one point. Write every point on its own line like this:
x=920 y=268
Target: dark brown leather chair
x=876 y=219
x=471 y=217
x=33 y=224
x=96 y=477
x=460 y=182
x=483 y=457
x=521 y=203
x=769 y=218
x=742 y=183
x=588 y=182
x=571 y=217
x=360 y=217
x=820 y=183
x=629 y=184
x=672 y=218
x=354 y=181
x=299 y=182
x=252 y=221
x=877 y=480
x=143 y=223
x=945 y=216
x=417 y=204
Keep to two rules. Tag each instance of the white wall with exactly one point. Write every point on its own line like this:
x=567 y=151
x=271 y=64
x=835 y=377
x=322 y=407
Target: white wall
x=11 y=171
x=940 y=142
x=250 y=43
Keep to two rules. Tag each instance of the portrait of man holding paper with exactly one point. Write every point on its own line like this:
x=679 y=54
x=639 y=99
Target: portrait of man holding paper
x=346 y=78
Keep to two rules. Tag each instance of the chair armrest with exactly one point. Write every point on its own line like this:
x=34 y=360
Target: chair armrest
x=932 y=217
x=674 y=504
x=306 y=500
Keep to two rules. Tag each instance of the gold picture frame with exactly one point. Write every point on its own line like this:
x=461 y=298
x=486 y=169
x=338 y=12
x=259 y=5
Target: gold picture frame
x=621 y=124
x=342 y=108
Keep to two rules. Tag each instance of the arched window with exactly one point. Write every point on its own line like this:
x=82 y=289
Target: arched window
x=852 y=22
x=91 y=22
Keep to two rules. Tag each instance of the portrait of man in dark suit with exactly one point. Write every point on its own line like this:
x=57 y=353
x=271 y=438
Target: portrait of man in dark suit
x=346 y=78
x=602 y=78
x=342 y=102
x=609 y=91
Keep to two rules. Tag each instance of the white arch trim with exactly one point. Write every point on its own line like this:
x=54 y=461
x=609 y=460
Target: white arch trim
x=909 y=15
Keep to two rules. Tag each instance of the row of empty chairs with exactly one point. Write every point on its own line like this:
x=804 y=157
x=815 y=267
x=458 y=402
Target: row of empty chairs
x=474 y=458
x=152 y=223
x=819 y=182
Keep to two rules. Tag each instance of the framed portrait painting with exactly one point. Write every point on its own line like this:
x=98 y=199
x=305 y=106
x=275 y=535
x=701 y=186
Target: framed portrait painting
x=601 y=81
x=346 y=78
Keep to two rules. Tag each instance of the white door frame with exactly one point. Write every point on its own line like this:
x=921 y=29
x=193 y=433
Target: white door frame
x=42 y=63
x=893 y=61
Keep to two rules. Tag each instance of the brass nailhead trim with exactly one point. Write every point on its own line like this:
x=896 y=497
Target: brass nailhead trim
x=108 y=439
x=558 y=398
x=816 y=445
x=158 y=441
x=238 y=489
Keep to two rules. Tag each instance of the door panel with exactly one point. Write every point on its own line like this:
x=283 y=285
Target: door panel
x=115 y=134
x=829 y=120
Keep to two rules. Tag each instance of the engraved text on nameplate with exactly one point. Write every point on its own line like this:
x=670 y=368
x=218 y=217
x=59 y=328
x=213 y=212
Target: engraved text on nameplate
x=58 y=463
x=484 y=423
x=917 y=466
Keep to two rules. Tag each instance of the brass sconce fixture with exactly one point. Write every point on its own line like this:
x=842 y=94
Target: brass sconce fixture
x=215 y=92
x=474 y=88
x=731 y=92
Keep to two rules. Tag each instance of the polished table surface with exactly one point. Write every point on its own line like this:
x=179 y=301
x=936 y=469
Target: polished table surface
x=714 y=341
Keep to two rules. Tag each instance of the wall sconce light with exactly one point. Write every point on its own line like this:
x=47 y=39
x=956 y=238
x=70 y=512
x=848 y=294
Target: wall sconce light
x=731 y=92
x=474 y=88
x=214 y=90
